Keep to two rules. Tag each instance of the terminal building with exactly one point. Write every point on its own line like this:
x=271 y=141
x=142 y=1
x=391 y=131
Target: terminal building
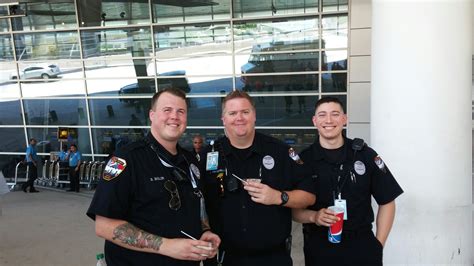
x=402 y=69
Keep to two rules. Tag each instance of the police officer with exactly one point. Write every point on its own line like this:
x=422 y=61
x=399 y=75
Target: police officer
x=149 y=197
x=74 y=158
x=347 y=173
x=251 y=184
x=32 y=160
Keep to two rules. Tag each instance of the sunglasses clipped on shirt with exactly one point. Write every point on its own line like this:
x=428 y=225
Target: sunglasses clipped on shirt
x=175 y=201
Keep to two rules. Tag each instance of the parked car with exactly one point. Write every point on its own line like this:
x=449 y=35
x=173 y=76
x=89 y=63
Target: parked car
x=40 y=71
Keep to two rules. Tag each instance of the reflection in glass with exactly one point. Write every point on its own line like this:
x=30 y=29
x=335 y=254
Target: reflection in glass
x=47 y=15
x=276 y=35
x=120 y=87
x=334 y=60
x=125 y=67
x=12 y=140
x=55 y=112
x=48 y=139
x=6 y=51
x=128 y=42
x=113 y=13
x=335 y=31
x=209 y=85
x=299 y=139
x=108 y=140
x=250 y=8
x=334 y=82
x=278 y=83
x=335 y=5
x=208 y=134
x=8 y=164
x=4 y=26
x=54 y=87
x=180 y=11
x=201 y=49
x=285 y=110
x=118 y=112
x=271 y=63
x=10 y=113
x=51 y=69
x=204 y=111
x=46 y=46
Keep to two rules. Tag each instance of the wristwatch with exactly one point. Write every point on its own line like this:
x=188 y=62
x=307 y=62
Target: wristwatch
x=284 y=198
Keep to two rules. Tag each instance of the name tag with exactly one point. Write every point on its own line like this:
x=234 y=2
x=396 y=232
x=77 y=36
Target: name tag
x=212 y=161
x=342 y=204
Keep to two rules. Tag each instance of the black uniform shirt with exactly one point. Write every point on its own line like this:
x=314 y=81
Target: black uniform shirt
x=137 y=195
x=370 y=177
x=244 y=225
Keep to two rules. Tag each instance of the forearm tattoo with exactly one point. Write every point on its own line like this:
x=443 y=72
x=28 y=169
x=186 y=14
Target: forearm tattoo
x=135 y=237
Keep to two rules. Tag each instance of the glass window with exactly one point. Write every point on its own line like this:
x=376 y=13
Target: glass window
x=108 y=140
x=335 y=5
x=46 y=46
x=334 y=82
x=12 y=140
x=52 y=69
x=116 y=43
x=4 y=26
x=285 y=110
x=113 y=13
x=55 y=112
x=6 y=51
x=10 y=112
x=126 y=67
x=204 y=111
x=8 y=164
x=201 y=85
x=334 y=31
x=48 y=139
x=8 y=86
x=334 y=60
x=276 y=35
x=202 y=49
x=118 y=112
x=250 y=8
x=281 y=62
x=299 y=139
x=53 y=87
x=188 y=11
x=120 y=87
x=278 y=83
x=46 y=15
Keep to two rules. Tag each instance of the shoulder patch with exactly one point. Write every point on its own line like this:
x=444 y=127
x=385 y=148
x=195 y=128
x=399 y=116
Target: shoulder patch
x=114 y=168
x=293 y=155
x=380 y=164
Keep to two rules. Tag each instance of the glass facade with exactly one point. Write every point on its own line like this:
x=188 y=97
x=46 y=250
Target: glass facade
x=92 y=66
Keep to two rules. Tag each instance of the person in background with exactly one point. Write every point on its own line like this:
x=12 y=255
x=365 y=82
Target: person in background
x=347 y=174
x=32 y=160
x=74 y=158
x=148 y=204
x=198 y=141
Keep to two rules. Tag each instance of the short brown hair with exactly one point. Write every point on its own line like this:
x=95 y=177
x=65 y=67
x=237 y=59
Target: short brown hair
x=235 y=95
x=174 y=91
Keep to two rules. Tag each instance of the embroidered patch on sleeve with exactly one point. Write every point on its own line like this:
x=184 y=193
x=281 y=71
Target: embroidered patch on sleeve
x=380 y=164
x=114 y=168
x=294 y=156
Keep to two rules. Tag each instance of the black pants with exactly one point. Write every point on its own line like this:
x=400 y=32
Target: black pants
x=32 y=176
x=277 y=257
x=356 y=248
x=73 y=178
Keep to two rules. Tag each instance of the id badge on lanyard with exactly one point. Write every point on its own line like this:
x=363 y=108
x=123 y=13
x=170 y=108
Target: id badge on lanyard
x=339 y=202
x=212 y=161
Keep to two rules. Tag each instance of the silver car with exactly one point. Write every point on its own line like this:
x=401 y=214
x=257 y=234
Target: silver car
x=42 y=71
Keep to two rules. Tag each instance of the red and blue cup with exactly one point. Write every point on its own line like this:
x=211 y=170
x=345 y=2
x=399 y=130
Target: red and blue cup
x=335 y=230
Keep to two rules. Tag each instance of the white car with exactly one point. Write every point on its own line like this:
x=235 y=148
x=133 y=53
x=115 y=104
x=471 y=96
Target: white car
x=42 y=71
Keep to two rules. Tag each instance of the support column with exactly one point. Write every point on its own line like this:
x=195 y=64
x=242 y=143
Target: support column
x=421 y=125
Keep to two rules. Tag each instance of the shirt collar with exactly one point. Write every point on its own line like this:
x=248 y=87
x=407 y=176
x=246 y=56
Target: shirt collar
x=318 y=151
x=164 y=152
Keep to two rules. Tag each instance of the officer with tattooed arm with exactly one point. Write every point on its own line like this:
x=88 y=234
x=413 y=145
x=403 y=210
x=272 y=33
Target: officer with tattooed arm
x=148 y=205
